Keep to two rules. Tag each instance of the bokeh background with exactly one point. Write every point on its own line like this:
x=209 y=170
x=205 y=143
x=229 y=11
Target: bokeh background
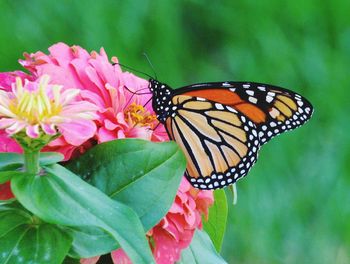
x=294 y=207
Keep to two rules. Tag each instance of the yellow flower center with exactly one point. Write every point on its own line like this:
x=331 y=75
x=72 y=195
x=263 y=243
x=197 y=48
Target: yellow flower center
x=138 y=115
x=35 y=106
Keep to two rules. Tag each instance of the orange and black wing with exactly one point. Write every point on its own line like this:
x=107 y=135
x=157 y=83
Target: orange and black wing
x=272 y=109
x=220 y=143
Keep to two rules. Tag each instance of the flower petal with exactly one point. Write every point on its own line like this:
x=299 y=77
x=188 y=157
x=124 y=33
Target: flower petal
x=5 y=191
x=4 y=111
x=8 y=144
x=92 y=260
x=104 y=135
x=6 y=122
x=49 y=129
x=119 y=257
x=33 y=131
x=16 y=127
x=77 y=131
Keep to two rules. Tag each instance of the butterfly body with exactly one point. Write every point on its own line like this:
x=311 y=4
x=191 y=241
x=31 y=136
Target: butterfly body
x=221 y=126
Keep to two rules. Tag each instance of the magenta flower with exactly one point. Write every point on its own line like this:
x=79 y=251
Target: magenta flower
x=7 y=143
x=38 y=107
x=121 y=113
x=8 y=78
x=175 y=231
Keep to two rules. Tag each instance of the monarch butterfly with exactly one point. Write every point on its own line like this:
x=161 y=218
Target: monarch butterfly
x=221 y=126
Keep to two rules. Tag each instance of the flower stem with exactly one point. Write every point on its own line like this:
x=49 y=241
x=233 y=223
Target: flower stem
x=31 y=161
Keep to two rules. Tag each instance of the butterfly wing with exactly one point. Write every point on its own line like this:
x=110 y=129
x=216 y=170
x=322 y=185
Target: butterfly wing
x=219 y=142
x=272 y=109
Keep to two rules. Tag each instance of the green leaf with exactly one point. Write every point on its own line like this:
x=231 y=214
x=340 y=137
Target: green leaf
x=201 y=250
x=216 y=224
x=141 y=174
x=24 y=239
x=7 y=175
x=12 y=161
x=47 y=158
x=61 y=197
x=103 y=242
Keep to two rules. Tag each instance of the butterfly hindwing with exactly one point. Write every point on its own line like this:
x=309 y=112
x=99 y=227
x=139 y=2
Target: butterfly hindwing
x=220 y=144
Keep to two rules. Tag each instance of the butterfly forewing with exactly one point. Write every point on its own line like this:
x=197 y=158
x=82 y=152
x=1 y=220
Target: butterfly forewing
x=273 y=109
x=220 y=144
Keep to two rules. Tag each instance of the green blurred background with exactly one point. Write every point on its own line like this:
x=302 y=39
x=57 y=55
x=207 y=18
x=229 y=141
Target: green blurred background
x=294 y=207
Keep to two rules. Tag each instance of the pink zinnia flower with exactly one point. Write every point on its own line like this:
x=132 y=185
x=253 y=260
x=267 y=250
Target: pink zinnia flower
x=38 y=107
x=5 y=191
x=7 y=143
x=8 y=78
x=122 y=113
x=175 y=231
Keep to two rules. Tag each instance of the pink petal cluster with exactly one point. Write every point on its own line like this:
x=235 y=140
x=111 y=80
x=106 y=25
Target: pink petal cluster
x=8 y=144
x=38 y=107
x=122 y=113
x=6 y=80
x=104 y=84
x=175 y=231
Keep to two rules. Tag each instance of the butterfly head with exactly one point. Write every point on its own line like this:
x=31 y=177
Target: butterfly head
x=161 y=102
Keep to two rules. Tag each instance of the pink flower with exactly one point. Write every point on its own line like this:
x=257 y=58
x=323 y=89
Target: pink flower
x=119 y=257
x=38 y=107
x=5 y=191
x=122 y=113
x=8 y=78
x=175 y=231
x=92 y=260
x=8 y=144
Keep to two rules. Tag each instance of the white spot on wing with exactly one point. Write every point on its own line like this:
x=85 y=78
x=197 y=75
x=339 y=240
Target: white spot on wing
x=219 y=106
x=269 y=99
x=250 y=92
x=252 y=99
x=231 y=109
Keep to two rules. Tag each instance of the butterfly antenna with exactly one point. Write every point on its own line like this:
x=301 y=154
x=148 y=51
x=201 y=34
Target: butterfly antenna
x=154 y=129
x=150 y=64
x=127 y=67
x=135 y=93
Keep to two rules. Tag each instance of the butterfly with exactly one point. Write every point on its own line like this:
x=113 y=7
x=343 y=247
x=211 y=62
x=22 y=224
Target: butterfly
x=220 y=126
